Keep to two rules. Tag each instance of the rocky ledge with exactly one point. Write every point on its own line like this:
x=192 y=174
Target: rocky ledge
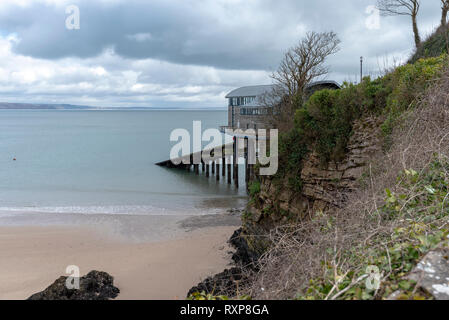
x=95 y=285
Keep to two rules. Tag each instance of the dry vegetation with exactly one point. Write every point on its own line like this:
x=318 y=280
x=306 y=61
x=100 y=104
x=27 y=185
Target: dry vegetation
x=400 y=213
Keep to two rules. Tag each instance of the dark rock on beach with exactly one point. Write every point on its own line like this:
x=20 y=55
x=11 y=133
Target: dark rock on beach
x=95 y=285
x=225 y=283
x=243 y=256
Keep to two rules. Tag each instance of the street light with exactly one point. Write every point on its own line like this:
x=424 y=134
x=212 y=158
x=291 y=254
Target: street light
x=361 y=69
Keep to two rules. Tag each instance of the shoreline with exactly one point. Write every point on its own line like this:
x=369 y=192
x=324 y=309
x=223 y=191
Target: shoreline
x=126 y=227
x=34 y=257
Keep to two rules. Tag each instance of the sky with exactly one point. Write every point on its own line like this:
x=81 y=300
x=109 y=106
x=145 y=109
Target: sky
x=182 y=53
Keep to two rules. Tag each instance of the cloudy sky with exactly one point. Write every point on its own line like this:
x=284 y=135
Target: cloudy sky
x=180 y=53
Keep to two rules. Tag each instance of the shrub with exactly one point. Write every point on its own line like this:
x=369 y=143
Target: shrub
x=410 y=81
x=292 y=151
x=254 y=188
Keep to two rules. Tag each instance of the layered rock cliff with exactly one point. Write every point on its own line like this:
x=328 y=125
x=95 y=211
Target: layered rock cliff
x=323 y=186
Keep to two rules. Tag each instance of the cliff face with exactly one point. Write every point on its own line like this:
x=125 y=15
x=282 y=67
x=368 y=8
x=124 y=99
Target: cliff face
x=323 y=187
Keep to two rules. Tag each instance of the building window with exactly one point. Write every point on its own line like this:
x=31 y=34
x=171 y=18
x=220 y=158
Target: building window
x=241 y=101
x=254 y=111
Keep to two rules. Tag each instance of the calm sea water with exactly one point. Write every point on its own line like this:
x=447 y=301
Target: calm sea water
x=102 y=163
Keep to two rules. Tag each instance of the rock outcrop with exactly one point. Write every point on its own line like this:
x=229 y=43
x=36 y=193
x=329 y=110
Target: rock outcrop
x=225 y=283
x=323 y=187
x=243 y=255
x=95 y=285
x=432 y=273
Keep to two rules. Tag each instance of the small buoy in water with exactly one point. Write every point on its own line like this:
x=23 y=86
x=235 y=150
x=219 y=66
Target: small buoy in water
x=14 y=159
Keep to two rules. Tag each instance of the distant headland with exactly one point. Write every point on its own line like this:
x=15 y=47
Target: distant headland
x=8 y=105
x=40 y=106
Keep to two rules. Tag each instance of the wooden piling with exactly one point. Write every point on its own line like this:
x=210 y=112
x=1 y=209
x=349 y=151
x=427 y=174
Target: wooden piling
x=213 y=167
x=246 y=155
x=234 y=157
x=229 y=171
x=197 y=169
x=207 y=170
x=218 y=170
x=237 y=176
x=223 y=162
x=236 y=165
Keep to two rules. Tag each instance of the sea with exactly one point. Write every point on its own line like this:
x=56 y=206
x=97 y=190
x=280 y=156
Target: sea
x=97 y=167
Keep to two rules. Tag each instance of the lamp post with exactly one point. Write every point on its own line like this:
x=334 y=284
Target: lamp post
x=361 y=69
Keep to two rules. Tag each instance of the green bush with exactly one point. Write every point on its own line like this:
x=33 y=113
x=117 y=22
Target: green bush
x=408 y=82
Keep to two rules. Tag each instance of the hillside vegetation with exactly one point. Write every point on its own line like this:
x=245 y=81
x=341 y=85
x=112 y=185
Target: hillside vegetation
x=401 y=210
x=324 y=123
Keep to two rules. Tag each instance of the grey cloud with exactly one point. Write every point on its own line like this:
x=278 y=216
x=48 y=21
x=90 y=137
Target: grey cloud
x=172 y=46
x=228 y=36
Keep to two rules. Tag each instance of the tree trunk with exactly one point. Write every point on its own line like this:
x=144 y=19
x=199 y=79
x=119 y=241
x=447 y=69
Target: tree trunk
x=445 y=9
x=416 y=31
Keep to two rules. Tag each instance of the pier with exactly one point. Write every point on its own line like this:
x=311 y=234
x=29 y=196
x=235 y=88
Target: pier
x=225 y=165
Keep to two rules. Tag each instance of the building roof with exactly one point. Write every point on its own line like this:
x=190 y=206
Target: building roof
x=256 y=91
x=323 y=82
x=251 y=91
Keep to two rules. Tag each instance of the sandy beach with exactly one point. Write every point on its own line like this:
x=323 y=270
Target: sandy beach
x=34 y=257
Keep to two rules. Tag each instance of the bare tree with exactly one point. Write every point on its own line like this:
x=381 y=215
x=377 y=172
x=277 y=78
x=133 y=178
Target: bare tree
x=301 y=65
x=402 y=8
x=305 y=61
x=444 y=11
